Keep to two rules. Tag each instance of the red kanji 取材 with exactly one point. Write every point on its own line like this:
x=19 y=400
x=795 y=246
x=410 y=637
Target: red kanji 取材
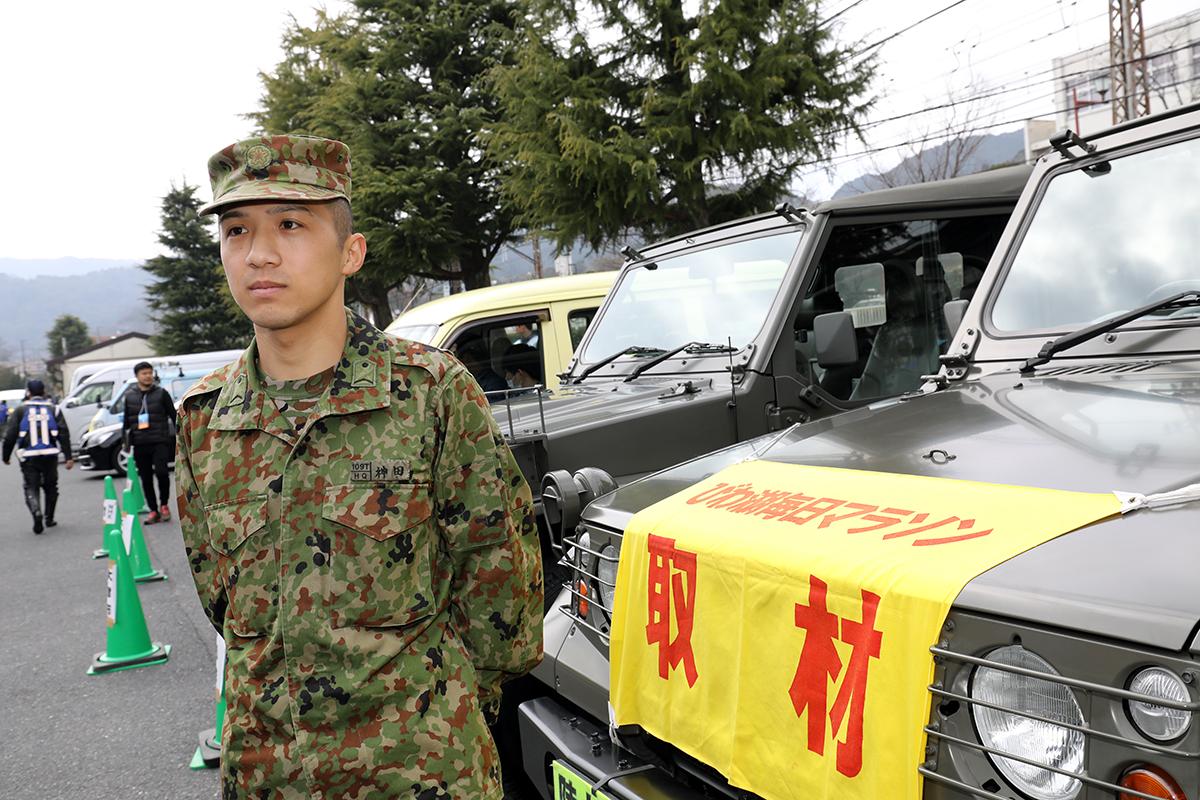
x=820 y=663
x=669 y=591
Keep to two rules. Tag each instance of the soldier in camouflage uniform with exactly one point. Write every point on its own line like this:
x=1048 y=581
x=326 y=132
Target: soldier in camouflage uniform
x=357 y=528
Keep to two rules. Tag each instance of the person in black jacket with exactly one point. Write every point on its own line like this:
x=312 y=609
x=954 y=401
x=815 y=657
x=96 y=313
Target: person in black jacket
x=148 y=425
x=38 y=432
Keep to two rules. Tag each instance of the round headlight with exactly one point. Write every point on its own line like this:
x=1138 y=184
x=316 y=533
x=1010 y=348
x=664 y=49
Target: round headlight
x=1040 y=741
x=1159 y=723
x=607 y=572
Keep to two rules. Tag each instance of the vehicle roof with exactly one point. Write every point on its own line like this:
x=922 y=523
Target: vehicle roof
x=543 y=290
x=1004 y=184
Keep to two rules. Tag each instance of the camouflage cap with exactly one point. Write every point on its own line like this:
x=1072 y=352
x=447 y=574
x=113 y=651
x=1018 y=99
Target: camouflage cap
x=278 y=168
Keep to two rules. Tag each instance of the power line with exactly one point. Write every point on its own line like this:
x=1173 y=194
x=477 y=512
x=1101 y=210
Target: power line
x=943 y=135
x=906 y=29
x=837 y=14
x=1004 y=91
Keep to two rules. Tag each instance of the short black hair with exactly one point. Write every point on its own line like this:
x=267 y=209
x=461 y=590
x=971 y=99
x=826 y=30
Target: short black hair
x=522 y=356
x=141 y=365
x=343 y=219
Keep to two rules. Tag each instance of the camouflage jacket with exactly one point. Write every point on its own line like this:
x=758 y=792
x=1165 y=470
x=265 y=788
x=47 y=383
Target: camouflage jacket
x=375 y=574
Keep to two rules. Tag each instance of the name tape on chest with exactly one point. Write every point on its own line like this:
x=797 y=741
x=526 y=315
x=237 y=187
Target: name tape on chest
x=380 y=470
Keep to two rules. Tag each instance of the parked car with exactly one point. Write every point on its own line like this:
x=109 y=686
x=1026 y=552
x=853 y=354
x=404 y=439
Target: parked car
x=1076 y=367
x=104 y=383
x=100 y=445
x=550 y=315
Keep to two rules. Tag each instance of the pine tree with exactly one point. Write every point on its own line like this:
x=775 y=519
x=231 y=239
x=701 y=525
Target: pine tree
x=406 y=84
x=662 y=116
x=68 y=335
x=194 y=311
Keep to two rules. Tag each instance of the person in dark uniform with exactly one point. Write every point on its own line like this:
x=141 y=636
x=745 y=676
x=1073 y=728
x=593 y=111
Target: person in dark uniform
x=38 y=432
x=149 y=415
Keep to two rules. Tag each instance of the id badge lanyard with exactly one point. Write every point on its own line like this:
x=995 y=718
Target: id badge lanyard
x=143 y=416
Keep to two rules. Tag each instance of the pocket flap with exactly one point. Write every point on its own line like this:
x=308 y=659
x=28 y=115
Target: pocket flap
x=380 y=512
x=230 y=524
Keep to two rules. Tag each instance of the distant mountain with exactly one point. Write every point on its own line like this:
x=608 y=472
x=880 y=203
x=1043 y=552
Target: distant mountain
x=110 y=301
x=37 y=267
x=995 y=149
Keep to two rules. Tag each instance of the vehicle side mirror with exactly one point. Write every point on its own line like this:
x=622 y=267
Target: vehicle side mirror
x=954 y=312
x=70 y=403
x=99 y=402
x=835 y=340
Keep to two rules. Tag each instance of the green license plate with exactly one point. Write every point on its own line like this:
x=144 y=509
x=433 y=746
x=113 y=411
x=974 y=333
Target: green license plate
x=569 y=786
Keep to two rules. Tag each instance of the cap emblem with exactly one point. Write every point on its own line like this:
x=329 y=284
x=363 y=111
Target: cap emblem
x=259 y=157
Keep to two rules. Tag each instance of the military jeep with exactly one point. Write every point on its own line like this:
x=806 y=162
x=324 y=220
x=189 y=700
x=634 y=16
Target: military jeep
x=1070 y=671
x=741 y=329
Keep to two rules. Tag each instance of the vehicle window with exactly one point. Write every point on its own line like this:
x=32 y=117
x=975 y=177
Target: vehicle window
x=894 y=278
x=1103 y=244
x=95 y=393
x=713 y=295
x=502 y=354
x=415 y=333
x=578 y=322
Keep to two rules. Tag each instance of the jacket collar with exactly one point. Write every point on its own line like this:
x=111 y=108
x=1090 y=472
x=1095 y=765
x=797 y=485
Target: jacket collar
x=361 y=382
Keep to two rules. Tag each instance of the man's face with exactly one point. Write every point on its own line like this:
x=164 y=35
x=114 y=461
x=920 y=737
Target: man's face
x=145 y=377
x=283 y=261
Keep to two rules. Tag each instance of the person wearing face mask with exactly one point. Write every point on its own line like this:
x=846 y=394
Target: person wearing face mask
x=523 y=367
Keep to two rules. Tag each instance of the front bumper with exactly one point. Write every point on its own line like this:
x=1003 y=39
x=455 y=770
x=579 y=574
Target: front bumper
x=550 y=731
x=98 y=458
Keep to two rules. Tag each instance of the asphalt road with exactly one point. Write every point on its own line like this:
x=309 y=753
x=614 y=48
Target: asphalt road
x=64 y=734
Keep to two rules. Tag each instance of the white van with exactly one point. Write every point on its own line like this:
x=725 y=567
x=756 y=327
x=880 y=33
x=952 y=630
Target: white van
x=101 y=387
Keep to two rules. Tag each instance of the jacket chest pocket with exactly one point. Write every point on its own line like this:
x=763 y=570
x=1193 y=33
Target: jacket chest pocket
x=381 y=560
x=249 y=564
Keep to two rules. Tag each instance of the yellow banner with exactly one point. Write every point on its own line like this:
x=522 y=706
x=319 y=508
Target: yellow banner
x=775 y=620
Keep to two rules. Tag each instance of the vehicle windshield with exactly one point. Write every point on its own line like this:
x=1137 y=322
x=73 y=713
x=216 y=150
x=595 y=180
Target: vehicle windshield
x=713 y=295
x=1106 y=243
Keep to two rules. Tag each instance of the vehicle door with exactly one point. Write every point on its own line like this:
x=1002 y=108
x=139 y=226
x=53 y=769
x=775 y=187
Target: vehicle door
x=570 y=320
x=878 y=289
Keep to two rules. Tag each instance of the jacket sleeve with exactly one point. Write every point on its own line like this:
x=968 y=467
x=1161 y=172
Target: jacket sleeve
x=485 y=515
x=64 y=435
x=126 y=423
x=168 y=407
x=202 y=559
x=10 y=433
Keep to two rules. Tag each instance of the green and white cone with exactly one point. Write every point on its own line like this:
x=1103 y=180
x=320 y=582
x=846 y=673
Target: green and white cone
x=139 y=556
x=128 y=643
x=112 y=516
x=208 y=754
x=135 y=485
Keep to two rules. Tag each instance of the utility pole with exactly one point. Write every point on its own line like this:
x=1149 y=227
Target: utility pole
x=1127 y=60
x=536 y=242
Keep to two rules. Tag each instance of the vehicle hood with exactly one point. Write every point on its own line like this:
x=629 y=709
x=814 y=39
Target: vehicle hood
x=595 y=402
x=1135 y=428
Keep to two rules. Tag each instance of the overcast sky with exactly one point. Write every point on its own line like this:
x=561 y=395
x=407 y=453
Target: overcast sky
x=106 y=104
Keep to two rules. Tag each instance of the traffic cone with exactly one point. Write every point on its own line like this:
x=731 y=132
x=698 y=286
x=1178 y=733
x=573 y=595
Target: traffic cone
x=139 y=556
x=128 y=642
x=135 y=485
x=112 y=515
x=208 y=754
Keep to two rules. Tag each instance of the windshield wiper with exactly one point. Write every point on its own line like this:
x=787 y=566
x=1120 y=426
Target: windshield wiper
x=691 y=347
x=1082 y=335
x=635 y=350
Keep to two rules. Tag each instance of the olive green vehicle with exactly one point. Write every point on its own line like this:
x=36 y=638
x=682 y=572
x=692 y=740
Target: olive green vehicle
x=1070 y=671
x=734 y=331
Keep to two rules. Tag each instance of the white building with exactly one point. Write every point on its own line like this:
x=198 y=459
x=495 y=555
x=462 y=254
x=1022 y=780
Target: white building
x=118 y=348
x=1084 y=86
